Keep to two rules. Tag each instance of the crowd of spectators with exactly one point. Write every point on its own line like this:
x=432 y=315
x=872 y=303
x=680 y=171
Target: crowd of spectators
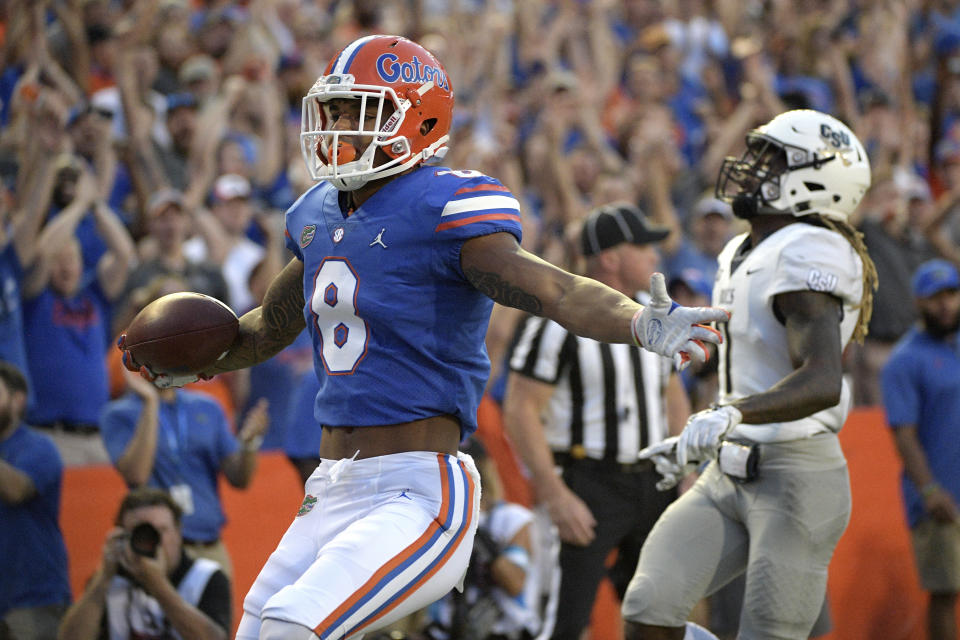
x=151 y=146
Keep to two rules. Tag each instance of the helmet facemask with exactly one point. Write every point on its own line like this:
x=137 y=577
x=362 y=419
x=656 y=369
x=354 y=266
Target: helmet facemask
x=330 y=154
x=757 y=181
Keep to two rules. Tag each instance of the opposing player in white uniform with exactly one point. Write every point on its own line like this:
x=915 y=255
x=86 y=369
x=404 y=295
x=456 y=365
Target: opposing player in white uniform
x=775 y=497
x=396 y=267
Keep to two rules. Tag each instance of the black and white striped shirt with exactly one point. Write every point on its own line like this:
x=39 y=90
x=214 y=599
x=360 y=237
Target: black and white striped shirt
x=609 y=398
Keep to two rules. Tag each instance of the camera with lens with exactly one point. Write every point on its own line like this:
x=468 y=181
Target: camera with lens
x=144 y=540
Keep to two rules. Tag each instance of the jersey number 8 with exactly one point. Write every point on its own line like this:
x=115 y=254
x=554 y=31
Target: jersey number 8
x=343 y=334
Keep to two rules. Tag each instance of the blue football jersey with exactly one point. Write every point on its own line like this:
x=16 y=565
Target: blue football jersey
x=398 y=331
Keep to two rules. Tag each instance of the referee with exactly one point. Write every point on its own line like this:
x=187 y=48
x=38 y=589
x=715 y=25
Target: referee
x=588 y=408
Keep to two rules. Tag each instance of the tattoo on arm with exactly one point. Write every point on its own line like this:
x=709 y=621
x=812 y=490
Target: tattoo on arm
x=495 y=287
x=266 y=330
x=285 y=312
x=282 y=319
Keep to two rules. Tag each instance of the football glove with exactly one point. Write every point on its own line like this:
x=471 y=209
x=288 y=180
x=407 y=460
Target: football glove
x=677 y=332
x=159 y=380
x=701 y=437
x=664 y=458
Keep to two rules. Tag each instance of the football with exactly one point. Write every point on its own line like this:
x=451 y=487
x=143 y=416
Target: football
x=181 y=333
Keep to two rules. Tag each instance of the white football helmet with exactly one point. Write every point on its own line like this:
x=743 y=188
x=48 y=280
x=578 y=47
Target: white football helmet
x=799 y=163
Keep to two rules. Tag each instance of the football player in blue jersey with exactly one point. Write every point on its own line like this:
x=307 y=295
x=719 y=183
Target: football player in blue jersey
x=396 y=269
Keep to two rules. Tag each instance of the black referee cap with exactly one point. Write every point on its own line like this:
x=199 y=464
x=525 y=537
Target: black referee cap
x=613 y=224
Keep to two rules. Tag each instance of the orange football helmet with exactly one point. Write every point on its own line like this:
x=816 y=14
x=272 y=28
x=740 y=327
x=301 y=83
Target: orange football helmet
x=414 y=111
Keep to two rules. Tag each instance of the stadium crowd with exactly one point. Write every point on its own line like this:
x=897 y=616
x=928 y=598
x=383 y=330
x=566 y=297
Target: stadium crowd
x=152 y=146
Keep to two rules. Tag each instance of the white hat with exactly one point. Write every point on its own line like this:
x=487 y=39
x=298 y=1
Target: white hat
x=231 y=186
x=706 y=206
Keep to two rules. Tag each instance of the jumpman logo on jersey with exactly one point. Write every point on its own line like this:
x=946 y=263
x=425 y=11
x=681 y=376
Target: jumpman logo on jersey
x=379 y=239
x=403 y=494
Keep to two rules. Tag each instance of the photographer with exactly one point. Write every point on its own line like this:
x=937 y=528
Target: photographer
x=146 y=586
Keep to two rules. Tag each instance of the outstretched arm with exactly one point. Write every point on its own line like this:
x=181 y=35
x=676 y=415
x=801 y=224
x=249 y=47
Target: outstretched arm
x=497 y=265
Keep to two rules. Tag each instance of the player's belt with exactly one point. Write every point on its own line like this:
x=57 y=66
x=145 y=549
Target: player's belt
x=566 y=460
x=69 y=427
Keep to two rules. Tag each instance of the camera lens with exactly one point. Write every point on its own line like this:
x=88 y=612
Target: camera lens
x=144 y=540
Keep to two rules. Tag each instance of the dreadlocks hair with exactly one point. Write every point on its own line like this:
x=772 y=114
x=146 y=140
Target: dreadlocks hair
x=870 y=279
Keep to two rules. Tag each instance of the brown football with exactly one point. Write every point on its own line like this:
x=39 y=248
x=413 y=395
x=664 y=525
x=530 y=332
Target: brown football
x=181 y=333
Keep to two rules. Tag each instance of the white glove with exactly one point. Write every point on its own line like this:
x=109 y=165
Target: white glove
x=166 y=381
x=664 y=327
x=664 y=458
x=701 y=436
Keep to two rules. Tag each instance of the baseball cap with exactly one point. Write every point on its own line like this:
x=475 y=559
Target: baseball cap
x=613 y=224
x=934 y=276
x=67 y=160
x=912 y=187
x=562 y=80
x=706 y=206
x=197 y=67
x=695 y=279
x=230 y=186
x=161 y=199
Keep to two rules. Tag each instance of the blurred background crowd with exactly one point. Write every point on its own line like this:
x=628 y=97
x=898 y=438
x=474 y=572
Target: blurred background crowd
x=151 y=146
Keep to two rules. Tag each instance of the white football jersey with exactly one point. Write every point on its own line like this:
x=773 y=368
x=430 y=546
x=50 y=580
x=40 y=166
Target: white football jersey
x=754 y=355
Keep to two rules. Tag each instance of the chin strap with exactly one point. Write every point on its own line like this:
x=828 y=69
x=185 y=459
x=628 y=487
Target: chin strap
x=744 y=206
x=747 y=207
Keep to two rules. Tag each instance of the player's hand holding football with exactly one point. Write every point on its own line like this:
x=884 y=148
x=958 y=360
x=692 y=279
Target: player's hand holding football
x=701 y=437
x=159 y=380
x=665 y=327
